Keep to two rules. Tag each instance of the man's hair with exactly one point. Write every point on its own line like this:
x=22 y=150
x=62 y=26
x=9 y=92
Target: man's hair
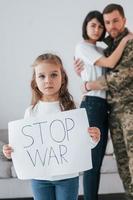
x=111 y=7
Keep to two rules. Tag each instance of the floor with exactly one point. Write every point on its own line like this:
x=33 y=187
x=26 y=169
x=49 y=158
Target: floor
x=101 y=197
x=109 y=197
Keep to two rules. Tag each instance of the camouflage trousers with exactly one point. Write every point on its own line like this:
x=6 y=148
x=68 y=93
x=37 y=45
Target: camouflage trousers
x=121 y=128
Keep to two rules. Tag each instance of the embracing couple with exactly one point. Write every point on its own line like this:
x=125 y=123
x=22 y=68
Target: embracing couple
x=108 y=91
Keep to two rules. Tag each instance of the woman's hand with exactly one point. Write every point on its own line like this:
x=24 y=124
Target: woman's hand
x=128 y=37
x=94 y=133
x=7 y=150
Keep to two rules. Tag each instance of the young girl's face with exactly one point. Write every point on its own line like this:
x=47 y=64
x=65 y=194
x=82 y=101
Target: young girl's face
x=94 y=30
x=48 y=79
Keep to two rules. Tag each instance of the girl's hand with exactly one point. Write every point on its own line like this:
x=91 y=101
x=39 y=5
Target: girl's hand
x=7 y=150
x=94 y=133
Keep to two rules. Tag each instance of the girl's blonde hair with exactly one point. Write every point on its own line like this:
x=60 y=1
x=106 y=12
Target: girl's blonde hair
x=65 y=98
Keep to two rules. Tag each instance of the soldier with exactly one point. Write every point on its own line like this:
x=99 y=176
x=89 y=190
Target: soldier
x=119 y=85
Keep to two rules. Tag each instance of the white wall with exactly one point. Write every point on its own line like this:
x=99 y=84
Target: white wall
x=29 y=28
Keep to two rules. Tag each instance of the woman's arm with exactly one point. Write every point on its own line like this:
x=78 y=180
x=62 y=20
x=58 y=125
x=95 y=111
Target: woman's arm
x=119 y=80
x=112 y=60
x=99 y=84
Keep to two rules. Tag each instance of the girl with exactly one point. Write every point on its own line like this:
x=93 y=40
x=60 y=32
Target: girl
x=50 y=95
x=89 y=54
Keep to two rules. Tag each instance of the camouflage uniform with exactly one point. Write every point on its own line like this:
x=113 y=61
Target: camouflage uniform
x=119 y=83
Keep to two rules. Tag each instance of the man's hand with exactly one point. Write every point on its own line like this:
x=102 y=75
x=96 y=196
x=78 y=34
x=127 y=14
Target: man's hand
x=78 y=66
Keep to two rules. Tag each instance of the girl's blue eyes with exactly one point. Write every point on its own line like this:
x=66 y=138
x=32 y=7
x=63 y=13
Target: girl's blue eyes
x=51 y=75
x=54 y=75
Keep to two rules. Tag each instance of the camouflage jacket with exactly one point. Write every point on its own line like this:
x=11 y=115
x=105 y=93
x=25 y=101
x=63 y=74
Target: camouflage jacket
x=119 y=81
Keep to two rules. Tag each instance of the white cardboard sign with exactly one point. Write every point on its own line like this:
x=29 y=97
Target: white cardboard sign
x=56 y=145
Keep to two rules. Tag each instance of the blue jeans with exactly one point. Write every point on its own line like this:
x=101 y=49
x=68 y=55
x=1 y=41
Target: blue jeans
x=97 y=112
x=55 y=190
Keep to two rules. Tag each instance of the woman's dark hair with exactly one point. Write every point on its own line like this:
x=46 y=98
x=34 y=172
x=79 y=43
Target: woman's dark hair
x=111 y=7
x=91 y=15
